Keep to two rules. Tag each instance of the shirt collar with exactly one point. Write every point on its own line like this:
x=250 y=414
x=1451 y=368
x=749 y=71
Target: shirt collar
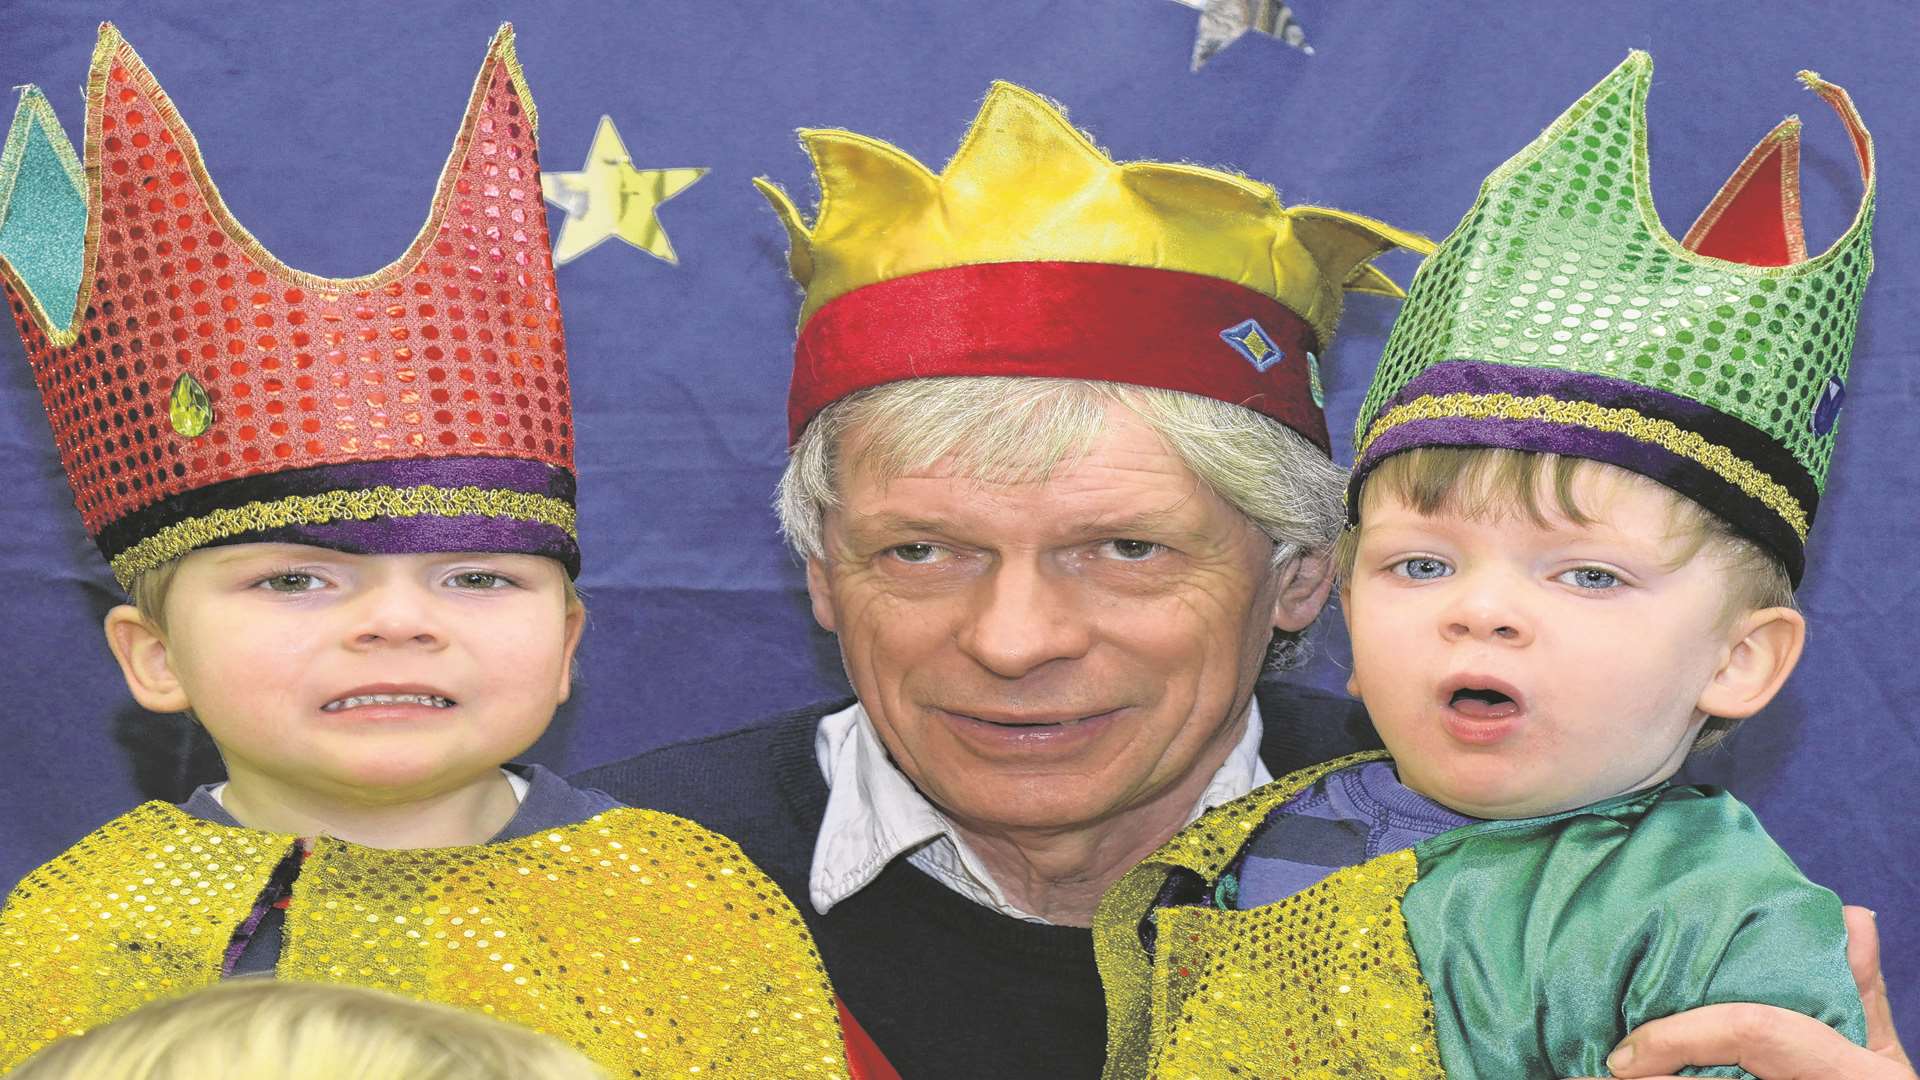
x=546 y=799
x=875 y=815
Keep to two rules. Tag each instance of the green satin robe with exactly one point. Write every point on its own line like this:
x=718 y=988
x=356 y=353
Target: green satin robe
x=1503 y=949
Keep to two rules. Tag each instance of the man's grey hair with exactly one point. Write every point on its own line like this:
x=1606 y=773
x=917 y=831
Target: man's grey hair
x=1010 y=429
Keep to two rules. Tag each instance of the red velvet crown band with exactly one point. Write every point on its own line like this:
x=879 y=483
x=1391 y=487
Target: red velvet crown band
x=1149 y=327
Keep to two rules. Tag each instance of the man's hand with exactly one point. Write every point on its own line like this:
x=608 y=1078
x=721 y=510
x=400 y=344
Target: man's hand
x=1774 y=1044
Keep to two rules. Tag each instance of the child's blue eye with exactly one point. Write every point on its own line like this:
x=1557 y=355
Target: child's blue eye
x=1590 y=577
x=290 y=582
x=479 y=579
x=1422 y=568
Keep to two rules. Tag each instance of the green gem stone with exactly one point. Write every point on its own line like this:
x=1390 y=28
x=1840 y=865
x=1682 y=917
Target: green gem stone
x=189 y=408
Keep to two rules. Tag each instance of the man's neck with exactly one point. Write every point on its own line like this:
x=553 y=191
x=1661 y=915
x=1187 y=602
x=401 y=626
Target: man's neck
x=471 y=813
x=1060 y=874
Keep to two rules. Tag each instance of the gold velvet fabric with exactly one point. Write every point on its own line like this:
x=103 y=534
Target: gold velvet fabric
x=648 y=942
x=1321 y=984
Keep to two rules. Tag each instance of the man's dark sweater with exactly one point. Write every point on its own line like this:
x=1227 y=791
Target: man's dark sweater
x=950 y=990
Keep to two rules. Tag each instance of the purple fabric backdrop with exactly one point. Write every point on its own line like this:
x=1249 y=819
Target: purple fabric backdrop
x=326 y=125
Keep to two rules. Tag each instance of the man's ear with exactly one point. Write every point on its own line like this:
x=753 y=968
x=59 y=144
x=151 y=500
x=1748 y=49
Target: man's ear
x=1304 y=584
x=570 y=643
x=141 y=649
x=820 y=591
x=1765 y=646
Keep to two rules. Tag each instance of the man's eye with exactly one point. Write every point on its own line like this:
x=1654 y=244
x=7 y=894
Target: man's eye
x=290 y=582
x=478 y=579
x=915 y=553
x=1422 y=568
x=1133 y=550
x=1590 y=577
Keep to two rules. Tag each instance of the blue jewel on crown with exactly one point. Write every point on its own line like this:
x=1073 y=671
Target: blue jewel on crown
x=1826 y=412
x=1250 y=340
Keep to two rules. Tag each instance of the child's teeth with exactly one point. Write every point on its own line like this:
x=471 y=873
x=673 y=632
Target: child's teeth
x=358 y=700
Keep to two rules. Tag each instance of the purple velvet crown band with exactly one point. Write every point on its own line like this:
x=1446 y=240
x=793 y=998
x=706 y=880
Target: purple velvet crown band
x=402 y=507
x=1722 y=463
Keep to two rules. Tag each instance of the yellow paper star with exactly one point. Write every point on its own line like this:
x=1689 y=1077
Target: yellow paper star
x=609 y=197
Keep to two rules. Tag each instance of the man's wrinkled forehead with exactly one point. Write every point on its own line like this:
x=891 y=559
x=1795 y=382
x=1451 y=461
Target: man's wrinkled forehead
x=1125 y=484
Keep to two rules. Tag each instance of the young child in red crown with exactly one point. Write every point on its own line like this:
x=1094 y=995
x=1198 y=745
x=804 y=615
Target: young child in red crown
x=344 y=511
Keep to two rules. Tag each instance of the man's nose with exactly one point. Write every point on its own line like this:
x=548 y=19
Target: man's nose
x=1022 y=617
x=1487 y=608
x=397 y=613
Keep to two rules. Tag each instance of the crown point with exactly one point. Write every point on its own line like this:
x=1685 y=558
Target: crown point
x=43 y=213
x=799 y=240
x=1343 y=245
x=1755 y=217
x=502 y=49
x=1174 y=184
x=1021 y=137
x=867 y=171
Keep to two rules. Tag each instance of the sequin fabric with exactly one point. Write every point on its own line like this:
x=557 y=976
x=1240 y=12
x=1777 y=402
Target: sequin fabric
x=1562 y=263
x=648 y=942
x=1322 y=984
x=453 y=350
x=43 y=207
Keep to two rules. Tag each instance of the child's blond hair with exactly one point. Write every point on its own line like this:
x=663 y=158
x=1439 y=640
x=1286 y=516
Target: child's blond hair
x=1484 y=483
x=253 y=1027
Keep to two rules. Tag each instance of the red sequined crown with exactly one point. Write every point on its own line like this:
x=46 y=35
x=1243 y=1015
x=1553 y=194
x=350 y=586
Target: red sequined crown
x=204 y=392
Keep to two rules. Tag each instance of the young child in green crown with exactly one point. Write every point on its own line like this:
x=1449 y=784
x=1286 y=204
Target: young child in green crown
x=345 y=512
x=1584 y=477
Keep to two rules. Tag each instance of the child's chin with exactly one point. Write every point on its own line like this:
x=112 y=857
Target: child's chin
x=397 y=778
x=1498 y=798
x=1513 y=805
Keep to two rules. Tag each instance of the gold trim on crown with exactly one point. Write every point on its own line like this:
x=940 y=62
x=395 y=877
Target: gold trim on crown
x=1632 y=423
x=424 y=500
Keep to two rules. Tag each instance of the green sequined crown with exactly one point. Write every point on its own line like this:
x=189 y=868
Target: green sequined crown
x=1560 y=316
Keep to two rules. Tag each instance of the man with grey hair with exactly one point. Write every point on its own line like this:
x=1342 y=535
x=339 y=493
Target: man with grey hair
x=1059 y=473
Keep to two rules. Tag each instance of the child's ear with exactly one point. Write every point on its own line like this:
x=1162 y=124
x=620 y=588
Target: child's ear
x=1346 y=616
x=1766 y=645
x=141 y=649
x=570 y=643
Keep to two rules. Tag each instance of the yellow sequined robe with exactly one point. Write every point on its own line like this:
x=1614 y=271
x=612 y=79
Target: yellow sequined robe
x=645 y=940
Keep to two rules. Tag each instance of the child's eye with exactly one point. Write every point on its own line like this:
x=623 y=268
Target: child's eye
x=1422 y=568
x=1590 y=577
x=479 y=579
x=291 y=581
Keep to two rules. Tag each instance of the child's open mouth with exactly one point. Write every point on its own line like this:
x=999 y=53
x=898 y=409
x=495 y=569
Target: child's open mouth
x=1482 y=704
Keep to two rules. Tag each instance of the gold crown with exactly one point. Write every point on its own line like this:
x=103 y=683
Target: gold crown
x=1027 y=186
